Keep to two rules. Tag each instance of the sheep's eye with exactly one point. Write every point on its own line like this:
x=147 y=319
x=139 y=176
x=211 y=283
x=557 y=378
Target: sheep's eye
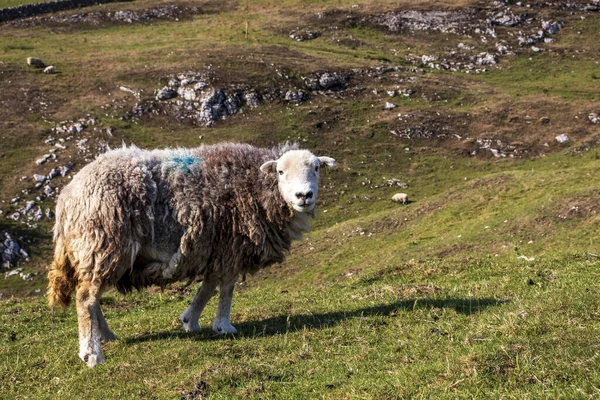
x=280 y=172
x=317 y=168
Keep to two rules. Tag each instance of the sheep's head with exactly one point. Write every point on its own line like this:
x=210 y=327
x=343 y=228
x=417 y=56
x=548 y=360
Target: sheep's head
x=297 y=173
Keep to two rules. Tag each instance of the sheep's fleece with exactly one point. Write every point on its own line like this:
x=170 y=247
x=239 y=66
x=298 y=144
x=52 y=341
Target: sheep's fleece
x=135 y=218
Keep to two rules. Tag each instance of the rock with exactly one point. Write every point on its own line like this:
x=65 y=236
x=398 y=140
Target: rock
x=64 y=170
x=526 y=41
x=50 y=69
x=166 y=93
x=48 y=191
x=389 y=106
x=537 y=49
x=35 y=62
x=594 y=118
x=551 y=27
x=10 y=250
x=42 y=160
x=544 y=120
x=562 y=138
x=49 y=213
x=502 y=49
x=296 y=97
x=304 y=34
x=53 y=174
x=28 y=207
x=506 y=18
x=38 y=214
x=39 y=178
x=487 y=59
x=425 y=59
x=332 y=81
x=391 y=93
x=252 y=99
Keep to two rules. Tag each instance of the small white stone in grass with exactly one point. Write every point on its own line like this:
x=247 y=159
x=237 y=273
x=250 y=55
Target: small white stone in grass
x=529 y=259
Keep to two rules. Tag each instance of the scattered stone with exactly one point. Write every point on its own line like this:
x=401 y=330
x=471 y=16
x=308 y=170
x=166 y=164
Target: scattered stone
x=35 y=62
x=594 y=118
x=544 y=120
x=166 y=93
x=48 y=191
x=11 y=252
x=505 y=17
x=425 y=59
x=537 y=49
x=28 y=207
x=43 y=160
x=562 y=138
x=50 y=70
x=49 y=213
x=551 y=27
x=296 y=96
x=64 y=170
x=332 y=81
x=15 y=200
x=53 y=174
x=487 y=59
x=301 y=35
x=12 y=273
x=389 y=106
x=253 y=99
x=39 y=178
x=391 y=93
x=38 y=214
x=526 y=41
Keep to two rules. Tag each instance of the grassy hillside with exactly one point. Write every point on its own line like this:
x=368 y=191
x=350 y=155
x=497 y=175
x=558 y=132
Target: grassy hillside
x=485 y=285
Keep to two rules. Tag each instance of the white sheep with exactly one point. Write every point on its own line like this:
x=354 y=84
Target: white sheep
x=400 y=198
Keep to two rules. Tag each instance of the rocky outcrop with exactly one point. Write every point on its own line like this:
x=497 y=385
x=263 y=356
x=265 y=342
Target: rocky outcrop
x=29 y=10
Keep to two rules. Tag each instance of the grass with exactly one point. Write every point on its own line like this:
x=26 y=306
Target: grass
x=435 y=299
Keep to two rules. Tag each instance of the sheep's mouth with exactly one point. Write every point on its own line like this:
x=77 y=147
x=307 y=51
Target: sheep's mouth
x=303 y=207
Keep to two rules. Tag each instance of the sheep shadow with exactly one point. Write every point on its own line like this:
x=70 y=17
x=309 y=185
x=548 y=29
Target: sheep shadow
x=291 y=323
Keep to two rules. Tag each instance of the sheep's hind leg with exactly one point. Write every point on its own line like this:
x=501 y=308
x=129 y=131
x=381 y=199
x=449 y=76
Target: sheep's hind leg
x=191 y=315
x=106 y=335
x=88 y=311
x=222 y=322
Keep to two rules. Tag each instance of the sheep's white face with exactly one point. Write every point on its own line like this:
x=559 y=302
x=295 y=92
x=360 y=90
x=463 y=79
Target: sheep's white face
x=298 y=176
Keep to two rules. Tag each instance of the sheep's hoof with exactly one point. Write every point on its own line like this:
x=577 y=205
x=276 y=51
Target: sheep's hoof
x=108 y=337
x=91 y=360
x=189 y=325
x=223 y=328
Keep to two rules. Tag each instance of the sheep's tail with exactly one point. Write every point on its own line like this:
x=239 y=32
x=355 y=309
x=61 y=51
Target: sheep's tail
x=61 y=277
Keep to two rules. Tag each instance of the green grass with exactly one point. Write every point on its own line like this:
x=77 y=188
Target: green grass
x=366 y=316
x=13 y=3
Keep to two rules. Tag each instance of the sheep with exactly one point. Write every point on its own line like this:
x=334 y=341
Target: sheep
x=400 y=198
x=135 y=218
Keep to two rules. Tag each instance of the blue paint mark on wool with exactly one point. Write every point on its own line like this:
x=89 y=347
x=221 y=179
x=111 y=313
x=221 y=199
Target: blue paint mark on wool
x=185 y=163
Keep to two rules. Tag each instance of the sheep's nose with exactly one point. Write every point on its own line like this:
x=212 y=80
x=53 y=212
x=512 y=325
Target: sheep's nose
x=307 y=195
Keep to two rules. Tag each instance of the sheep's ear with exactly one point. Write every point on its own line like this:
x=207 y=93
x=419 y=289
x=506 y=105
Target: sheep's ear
x=269 y=167
x=330 y=162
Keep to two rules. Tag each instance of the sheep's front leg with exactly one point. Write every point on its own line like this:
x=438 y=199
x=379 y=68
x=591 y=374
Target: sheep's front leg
x=88 y=310
x=191 y=316
x=222 y=323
